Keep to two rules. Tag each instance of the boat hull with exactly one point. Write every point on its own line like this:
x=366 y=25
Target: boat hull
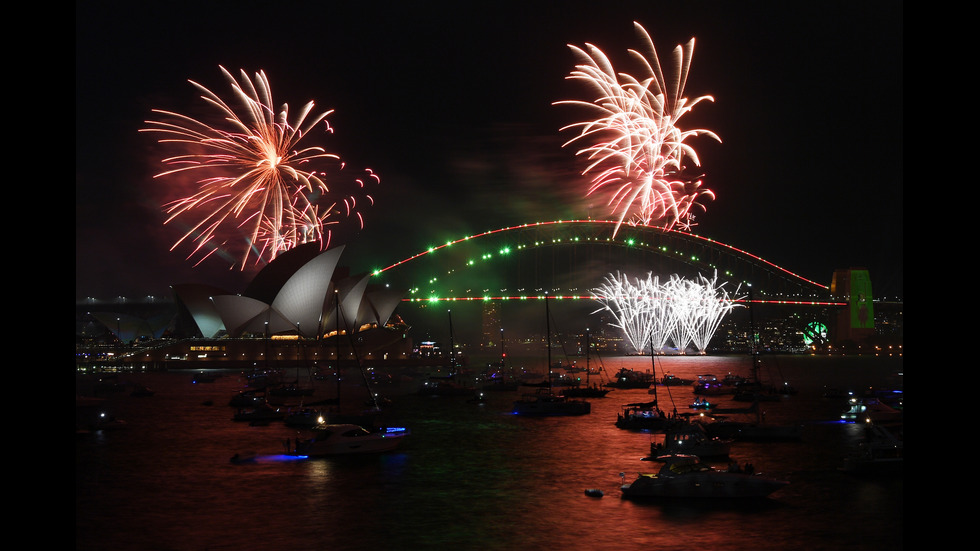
x=335 y=440
x=715 y=485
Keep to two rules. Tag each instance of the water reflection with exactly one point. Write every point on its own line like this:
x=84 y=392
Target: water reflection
x=470 y=476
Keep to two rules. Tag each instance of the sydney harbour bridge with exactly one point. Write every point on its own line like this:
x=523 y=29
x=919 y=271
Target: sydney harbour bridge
x=516 y=265
x=572 y=257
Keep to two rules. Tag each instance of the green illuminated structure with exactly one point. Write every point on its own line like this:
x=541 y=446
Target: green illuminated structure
x=856 y=321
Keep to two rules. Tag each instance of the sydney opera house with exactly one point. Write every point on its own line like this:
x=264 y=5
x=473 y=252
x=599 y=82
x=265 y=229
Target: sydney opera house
x=304 y=308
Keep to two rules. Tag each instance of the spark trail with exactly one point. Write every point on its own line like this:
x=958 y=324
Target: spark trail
x=649 y=312
x=259 y=190
x=639 y=154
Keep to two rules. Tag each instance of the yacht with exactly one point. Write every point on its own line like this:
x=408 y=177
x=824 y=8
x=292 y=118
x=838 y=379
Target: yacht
x=348 y=439
x=686 y=476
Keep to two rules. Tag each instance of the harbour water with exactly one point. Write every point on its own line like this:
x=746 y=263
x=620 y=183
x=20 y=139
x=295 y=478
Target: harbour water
x=472 y=476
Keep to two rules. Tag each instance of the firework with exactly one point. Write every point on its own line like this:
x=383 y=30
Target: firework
x=639 y=156
x=253 y=176
x=679 y=310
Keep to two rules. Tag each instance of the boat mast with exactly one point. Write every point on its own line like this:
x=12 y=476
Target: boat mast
x=547 y=324
x=587 y=369
x=502 y=353
x=452 y=347
x=754 y=350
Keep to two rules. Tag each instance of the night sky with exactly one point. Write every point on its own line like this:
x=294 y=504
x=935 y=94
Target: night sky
x=453 y=109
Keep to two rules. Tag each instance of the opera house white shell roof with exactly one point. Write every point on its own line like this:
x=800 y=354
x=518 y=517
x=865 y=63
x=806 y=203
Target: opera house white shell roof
x=301 y=292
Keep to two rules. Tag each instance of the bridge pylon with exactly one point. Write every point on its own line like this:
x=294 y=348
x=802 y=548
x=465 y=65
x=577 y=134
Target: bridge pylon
x=854 y=322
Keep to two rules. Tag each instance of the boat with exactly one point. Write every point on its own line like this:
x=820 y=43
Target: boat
x=687 y=477
x=349 y=439
x=594 y=391
x=751 y=389
x=290 y=389
x=880 y=454
x=628 y=378
x=690 y=439
x=732 y=379
x=244 y=457
x=642 y=416
x=447 y=385
x=262 y=379
x=500 y=383
x=873 y=410
x=496 y=377
x=709 y=385
x=544 y=402
x=716 y=425
x=763 y=432
x=259 y=413
x=593 y=492
x=246 y=398
x=701 y=403
x=673 y=380
x=647 y=415
x=587 y=391
x=754 y=391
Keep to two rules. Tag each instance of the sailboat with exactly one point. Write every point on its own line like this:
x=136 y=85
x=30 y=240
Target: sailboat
x=495 y=377
x=544 y=402
x=586 y=391
x=760 y=430
x=447 y=385
x=368 y=417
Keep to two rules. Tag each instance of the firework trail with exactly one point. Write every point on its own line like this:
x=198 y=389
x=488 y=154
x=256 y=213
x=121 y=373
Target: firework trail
x=639 y=154
x=254 y=178
x=650 y=312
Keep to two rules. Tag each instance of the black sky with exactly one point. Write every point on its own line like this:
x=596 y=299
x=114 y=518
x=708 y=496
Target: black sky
x=453 y=108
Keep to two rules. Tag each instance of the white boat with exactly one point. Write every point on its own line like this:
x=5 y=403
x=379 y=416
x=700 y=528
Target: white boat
x=348 y=439
x=685 y=476
x=870 y=410
x=690 y=439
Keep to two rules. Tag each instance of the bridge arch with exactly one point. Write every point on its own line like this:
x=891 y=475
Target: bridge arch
x=573 y=256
